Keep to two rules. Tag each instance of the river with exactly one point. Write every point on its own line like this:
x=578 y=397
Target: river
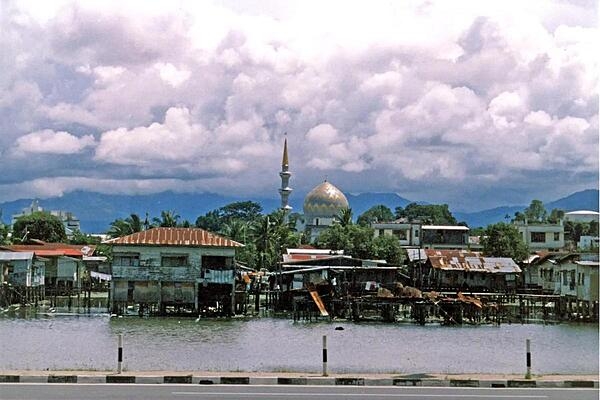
x=280 y=345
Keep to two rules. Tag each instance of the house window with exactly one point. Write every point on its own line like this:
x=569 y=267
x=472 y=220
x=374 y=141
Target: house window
x=565 y=278
x=126 y=260
x=381 y=232
x=582 y=279
x=556 y=236
x=400 y=235
x=174 y=260
x=538 y=237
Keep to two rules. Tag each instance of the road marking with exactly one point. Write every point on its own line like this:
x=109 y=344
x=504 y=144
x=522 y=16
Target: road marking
x=266 y=394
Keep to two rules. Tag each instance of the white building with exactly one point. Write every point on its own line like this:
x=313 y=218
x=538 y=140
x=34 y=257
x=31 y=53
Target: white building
x=582 y=216
x=539 y=236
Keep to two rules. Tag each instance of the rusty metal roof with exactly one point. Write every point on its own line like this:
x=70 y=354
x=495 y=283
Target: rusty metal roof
x=174 y=237
x=470 y=261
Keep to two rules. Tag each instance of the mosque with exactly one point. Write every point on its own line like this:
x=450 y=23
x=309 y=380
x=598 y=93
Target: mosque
x=321 y=205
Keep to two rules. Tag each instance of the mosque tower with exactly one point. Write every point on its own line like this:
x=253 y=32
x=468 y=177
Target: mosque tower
x=285 y=174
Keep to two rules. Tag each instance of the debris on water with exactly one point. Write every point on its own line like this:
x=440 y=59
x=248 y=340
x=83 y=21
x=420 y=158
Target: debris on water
x=339 y=328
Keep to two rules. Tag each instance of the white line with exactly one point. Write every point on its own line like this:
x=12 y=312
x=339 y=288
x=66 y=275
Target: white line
x=265 y=394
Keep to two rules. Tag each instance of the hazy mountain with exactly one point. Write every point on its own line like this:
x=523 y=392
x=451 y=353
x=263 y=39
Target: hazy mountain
x=584 y=200
x=97 y=211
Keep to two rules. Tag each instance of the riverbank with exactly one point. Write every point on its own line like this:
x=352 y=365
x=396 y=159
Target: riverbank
x=292 y=378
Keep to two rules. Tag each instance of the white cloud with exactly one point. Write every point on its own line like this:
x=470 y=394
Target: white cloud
x=50 y=142
x=392 y=94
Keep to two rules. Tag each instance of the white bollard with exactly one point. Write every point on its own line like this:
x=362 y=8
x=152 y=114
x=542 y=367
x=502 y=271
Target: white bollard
x=120 y=354
x=528 y=359
x=324 y=355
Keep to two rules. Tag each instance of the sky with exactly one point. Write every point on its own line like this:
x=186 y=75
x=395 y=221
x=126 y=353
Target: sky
x=475 y=104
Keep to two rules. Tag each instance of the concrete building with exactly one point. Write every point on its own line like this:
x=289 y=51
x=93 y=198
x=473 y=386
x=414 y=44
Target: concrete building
x=588 y=243
x=69 y=220
x=582 y=216
x=540 y=236
x=170 y=270
x=414 y=234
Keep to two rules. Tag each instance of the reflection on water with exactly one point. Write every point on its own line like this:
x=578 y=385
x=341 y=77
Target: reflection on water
x=265 y=344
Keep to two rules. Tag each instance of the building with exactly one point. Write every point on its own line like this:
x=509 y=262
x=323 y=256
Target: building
x=170 y=270
x=582 y=216
x=70 y=221
x=21 y=278
x=322 y=206
x=540 y=236
x=65 y=267
x=407 y=233
x=578 y=285
x=454 y=270
x=588 y=242
x=414 y=234
x=285 y=190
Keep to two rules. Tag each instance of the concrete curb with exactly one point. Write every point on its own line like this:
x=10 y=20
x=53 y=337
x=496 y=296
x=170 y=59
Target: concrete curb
x=191 y=379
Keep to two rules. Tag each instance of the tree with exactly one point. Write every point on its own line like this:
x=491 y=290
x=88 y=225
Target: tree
x=428 y=213
x=123 y=227
x=39 y=225
x=387 y=247
x=379 y=213
x=355 y=240
x=215 y=220
x=536 y=212
x=344 y=217
x=556 y=215
x=168 y=219
x=504 y=240
x=80 y=238
x=4 y=234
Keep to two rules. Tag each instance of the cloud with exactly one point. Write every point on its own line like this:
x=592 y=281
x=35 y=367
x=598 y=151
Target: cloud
x=50 y=142
x=428 y=99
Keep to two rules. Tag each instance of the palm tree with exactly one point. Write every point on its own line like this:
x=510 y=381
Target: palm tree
x=168 y=219
x=344 y=217
x=236 y=230
x=123 y=227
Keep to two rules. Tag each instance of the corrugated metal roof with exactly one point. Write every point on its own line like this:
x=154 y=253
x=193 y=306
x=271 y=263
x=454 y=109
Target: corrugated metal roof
x=76 y=250
x=175 y=237
x=13 y=255
x=461 y=260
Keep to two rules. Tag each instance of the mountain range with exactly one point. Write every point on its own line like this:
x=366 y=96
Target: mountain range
x=96 y=211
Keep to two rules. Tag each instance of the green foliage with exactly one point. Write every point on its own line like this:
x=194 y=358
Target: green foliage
x=270 y=235
x=379 y=213
x=435 y=214
x=387 y=247
x=556 y=215
x=4 y=231
x=344 y=217
x=504 y=240
x=355 y=240
x=215 y=220
x=167 y=219
x=536 y=212
x=39 y=225
x=574 y=230
x=123 y=227
x=80 y=238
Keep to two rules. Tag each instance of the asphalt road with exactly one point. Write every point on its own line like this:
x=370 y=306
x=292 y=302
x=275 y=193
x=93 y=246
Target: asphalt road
x=41 y=391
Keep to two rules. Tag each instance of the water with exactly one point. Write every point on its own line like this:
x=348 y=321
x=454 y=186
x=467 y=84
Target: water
x=279 y=345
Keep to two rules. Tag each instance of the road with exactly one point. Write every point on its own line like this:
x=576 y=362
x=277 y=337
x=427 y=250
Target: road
x=41 y=391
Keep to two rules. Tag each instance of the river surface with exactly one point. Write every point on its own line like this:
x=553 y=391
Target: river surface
x=280 y=345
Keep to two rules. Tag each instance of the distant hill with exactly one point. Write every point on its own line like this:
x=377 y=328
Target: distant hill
x=96 y=211
x=584 y=200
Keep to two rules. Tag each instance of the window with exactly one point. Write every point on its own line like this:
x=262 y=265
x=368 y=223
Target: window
x=381 y=232
x=400 y=235
x=565 y=278
x=126 y=260
x=556 y=236
x=174 y=260
x=582 y=278
x=538 y=237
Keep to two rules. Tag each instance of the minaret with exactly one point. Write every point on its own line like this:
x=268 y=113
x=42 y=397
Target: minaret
x=285 y=189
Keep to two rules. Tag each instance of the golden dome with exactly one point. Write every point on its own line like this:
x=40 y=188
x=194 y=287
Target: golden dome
x=325 y=200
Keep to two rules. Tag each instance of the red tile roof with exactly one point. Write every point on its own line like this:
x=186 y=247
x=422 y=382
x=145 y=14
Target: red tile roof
x=175 y=237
